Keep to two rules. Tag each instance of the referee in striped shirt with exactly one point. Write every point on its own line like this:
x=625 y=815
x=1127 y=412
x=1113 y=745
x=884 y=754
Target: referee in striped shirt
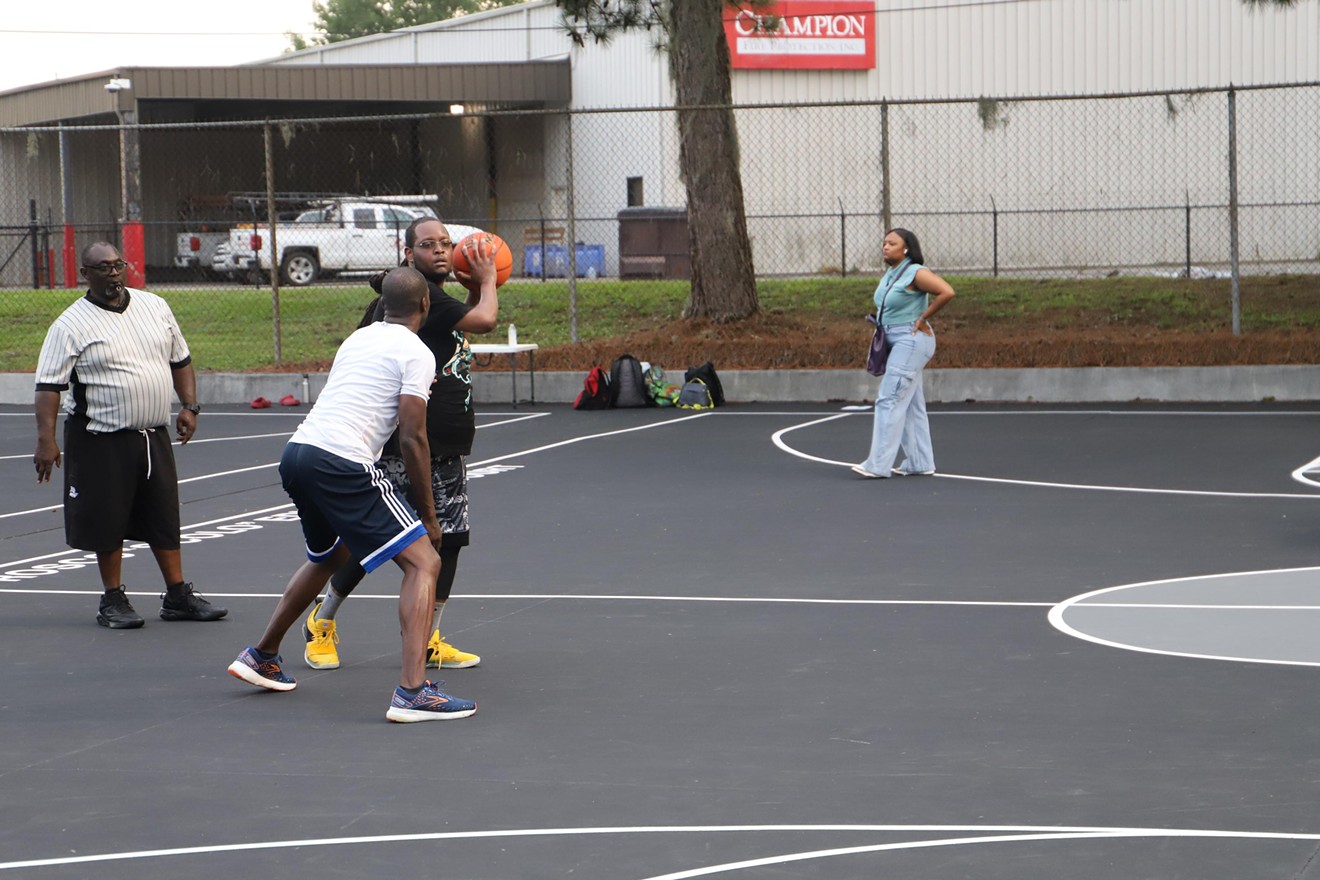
x=120 y=351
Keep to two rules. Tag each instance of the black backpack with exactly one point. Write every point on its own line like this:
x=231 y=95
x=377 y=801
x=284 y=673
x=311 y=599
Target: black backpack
x=595 y=392
x=628 y=383
x=706 y=373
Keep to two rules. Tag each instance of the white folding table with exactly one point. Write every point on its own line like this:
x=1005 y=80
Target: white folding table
x=512 y=351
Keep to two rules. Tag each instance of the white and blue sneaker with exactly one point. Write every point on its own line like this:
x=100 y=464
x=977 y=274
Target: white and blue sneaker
x=263 y=673
x=430 y=704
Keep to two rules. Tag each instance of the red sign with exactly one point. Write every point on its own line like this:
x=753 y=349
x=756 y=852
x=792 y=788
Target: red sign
x=803 y=35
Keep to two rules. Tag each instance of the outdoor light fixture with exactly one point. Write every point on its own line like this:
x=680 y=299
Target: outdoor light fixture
x=456 y=109
x=118 y=84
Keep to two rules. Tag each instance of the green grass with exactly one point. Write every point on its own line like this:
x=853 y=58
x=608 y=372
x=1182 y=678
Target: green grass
x=231 y=328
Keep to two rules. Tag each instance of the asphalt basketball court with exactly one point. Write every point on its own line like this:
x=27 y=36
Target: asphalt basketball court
x=1085 y=649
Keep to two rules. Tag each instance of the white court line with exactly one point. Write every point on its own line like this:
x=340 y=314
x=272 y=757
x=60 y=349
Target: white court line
x=188 y=528
x=570 y=441
x=1057 y=613
x=1133 y=489
x=1300 y=474
x=744 y=600
x=778 y=439
x=545 y=597
x=471 y=465
x=177 y=443
x=812 y=855
x=256 y=467
x=196 y=441
x=33 y=510
x=989 y=834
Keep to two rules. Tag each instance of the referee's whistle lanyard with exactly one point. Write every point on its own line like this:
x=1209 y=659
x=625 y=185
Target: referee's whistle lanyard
x=146 y=436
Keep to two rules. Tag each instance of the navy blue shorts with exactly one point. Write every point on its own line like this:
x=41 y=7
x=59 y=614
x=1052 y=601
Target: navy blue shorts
x=342 y=500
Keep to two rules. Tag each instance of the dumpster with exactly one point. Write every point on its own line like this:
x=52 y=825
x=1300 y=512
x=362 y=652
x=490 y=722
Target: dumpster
x=653 y=243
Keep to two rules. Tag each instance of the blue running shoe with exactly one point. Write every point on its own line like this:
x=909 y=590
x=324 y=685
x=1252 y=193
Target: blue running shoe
x=263 y=673
x=430 y=704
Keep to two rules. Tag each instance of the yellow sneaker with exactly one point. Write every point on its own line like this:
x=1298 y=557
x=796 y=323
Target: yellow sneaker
x=441 y=654
x=320 y=652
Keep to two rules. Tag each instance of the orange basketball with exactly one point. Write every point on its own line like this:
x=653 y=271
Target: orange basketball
x=503 y=256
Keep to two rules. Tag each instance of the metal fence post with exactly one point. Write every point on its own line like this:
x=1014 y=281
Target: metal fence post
x=886 y=208
x=843 y=241
x=271 y=218
x=70 y=249
x=994 y=237
x=1187 y=234
x=35 y=244
x=1233 y=211
x=571 y=236
x=540 y=209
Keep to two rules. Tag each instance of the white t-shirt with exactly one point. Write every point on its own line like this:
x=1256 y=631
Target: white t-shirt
x=359 y=408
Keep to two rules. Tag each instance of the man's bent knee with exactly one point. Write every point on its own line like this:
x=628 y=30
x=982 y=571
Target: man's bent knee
x=421 y=557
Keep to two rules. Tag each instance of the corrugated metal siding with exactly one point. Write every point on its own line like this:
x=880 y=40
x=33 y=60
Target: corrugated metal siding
x=951 y=49
x=30 y=166
x=77 y=99
x=545 y=81
x=537 y=82
x=1061 y=47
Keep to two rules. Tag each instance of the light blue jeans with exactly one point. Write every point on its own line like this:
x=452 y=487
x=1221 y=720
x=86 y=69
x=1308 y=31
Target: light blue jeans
x=900 y=407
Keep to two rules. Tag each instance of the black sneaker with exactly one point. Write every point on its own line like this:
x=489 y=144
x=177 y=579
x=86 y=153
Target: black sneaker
x=188 y=606
x=116 y=611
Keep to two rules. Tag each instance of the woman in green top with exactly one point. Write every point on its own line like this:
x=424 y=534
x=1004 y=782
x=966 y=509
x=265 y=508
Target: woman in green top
x=905 y=299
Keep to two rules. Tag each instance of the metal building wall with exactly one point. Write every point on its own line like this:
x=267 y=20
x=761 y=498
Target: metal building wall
x=30 y=162
x=951 y=49
x=1011 y=48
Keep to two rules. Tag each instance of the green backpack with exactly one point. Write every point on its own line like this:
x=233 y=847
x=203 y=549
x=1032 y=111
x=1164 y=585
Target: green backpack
x=659 y=389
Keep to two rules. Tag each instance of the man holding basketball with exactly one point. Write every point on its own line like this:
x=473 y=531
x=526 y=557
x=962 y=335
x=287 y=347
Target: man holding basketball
x=451 y=426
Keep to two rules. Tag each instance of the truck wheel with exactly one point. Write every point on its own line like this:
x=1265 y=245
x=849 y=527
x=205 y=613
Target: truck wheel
x=299 y=268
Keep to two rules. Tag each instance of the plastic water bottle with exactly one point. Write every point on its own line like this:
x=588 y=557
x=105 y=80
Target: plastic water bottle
x=513 y=335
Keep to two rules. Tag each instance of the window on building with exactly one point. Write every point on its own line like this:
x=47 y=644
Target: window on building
x=635 y=192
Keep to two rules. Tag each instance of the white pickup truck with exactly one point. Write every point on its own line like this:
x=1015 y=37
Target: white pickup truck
x=336 y=236
x=196 y=250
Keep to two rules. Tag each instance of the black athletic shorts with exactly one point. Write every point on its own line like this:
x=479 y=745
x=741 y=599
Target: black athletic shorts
x=338 y=499
x=119 y=486
x=449 y=488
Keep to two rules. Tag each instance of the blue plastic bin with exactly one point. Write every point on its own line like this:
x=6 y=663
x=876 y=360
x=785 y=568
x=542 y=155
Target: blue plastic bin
x=590 y=260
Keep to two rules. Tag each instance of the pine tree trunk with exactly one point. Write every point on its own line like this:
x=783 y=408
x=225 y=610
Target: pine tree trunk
x=723 y=281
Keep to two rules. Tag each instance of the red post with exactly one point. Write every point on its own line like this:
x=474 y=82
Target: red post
x=71 y=277
x=50 y=268
x=135 y=254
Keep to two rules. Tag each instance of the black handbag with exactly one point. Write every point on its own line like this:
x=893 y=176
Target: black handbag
x=879 y=353
x=877 y=357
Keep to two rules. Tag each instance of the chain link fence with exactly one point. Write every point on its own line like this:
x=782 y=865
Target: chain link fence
x=1195 y=183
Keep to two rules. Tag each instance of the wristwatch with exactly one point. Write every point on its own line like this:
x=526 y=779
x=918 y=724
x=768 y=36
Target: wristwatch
x=194 y=408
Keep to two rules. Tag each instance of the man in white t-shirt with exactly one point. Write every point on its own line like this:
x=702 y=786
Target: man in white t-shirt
x=381 y=377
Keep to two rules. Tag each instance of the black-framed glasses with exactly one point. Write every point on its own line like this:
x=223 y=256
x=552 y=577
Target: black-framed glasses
x=106 y=268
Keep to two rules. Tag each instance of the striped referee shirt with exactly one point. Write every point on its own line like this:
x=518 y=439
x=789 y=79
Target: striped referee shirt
x=117 y=360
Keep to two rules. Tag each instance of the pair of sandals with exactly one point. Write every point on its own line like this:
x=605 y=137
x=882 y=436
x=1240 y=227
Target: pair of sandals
x=286 y=400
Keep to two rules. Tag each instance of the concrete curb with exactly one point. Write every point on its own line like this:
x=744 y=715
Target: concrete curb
x=1064 y=385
